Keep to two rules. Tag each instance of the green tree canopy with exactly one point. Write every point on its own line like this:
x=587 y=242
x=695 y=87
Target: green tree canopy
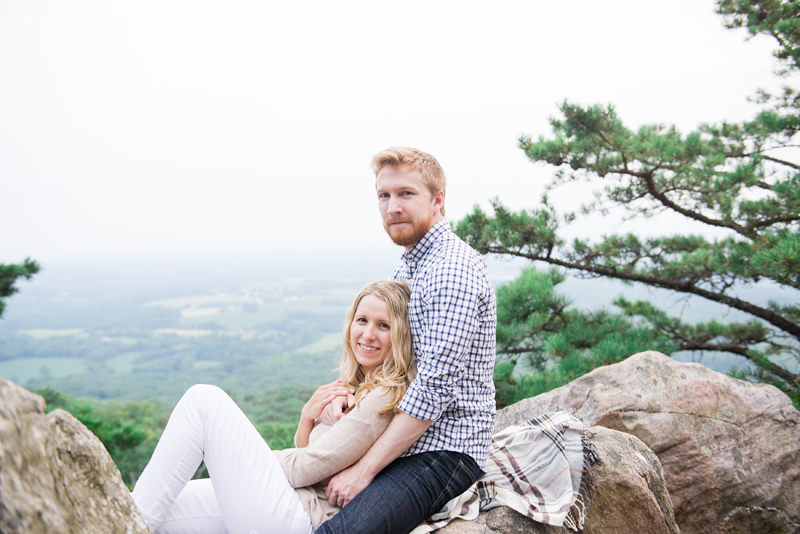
x=9 y=275
x=554 y=342
x=738 y=177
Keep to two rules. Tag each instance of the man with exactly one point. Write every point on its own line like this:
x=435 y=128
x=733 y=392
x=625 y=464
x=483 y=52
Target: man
x=437 y=445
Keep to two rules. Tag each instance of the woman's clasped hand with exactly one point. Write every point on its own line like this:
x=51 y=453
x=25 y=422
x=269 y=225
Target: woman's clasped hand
x=313 y=408
x=322 y=397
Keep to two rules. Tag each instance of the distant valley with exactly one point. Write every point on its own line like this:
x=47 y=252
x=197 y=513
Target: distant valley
x=144 y=330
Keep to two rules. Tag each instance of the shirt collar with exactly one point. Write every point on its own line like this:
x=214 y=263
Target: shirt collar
x=419 y=250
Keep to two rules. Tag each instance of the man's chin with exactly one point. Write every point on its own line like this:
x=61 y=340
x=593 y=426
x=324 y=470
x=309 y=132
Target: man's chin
x=402 y=238
x=407 y=235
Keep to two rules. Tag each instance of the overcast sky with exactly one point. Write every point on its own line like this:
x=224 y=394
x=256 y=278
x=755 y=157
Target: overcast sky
x=147 y=129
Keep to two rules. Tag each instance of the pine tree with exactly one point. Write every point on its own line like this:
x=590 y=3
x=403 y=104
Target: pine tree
x=9 y=275
x=738 y=177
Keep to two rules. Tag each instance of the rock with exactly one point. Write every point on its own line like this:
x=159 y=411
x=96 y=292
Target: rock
x=55 y=475
x=631 y=496
x=760 y=520
x=724 y=444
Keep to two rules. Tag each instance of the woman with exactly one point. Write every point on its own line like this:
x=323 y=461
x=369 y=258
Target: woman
x=249 y=489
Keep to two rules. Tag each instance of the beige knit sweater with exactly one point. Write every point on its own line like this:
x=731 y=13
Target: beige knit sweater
x=332 y=449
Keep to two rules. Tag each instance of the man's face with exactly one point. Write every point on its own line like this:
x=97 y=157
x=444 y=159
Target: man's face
x=407 y=208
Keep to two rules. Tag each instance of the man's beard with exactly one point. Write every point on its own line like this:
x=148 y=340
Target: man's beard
x=407 y=234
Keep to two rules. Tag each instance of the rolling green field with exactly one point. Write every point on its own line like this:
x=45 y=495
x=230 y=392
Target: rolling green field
x=245 y=338
x=24 y=370
x=327 y=343
x=44 y=333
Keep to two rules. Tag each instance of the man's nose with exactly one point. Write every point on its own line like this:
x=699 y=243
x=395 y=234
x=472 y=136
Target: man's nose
x=393 y=206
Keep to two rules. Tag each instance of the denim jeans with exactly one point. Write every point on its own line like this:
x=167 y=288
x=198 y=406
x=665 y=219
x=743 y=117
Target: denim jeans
x=404 y=494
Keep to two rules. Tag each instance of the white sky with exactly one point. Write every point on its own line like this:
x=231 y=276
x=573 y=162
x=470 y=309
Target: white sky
x=148 y=128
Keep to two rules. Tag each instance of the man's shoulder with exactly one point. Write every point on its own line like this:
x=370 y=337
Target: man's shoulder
x=452 y=255
x=453 y=250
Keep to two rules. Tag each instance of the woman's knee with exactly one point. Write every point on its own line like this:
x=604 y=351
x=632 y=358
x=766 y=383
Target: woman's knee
x=205 y=390
x=205 y=396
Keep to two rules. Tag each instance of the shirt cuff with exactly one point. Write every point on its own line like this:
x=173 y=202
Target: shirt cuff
x=423 y=403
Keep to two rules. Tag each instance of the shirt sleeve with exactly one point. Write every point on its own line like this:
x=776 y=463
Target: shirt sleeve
x=451 y=303
x=340 y=446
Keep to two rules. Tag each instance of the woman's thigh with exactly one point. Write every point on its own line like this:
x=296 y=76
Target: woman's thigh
x=250 y=491
x=195 y=511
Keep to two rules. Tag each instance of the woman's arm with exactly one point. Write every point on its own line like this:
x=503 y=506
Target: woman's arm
x=313 y=408
x=341 y=446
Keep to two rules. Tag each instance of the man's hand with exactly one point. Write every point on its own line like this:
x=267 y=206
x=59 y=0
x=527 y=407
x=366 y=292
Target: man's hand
x=345 y=486
x=336 y=409
x=401 y=433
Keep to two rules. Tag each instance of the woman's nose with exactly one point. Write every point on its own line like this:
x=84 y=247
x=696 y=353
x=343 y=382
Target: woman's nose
x=369 y=333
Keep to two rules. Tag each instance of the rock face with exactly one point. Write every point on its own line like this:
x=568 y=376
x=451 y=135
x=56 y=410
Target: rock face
x=730 y=449
x=631 y=496
x=55 y=475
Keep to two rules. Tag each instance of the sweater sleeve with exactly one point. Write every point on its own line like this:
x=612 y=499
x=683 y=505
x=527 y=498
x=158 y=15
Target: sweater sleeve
x=340 y=446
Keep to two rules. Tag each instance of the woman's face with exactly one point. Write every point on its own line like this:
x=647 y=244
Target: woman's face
x=370 y=333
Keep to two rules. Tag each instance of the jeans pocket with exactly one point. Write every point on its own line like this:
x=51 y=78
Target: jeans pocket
x=468 y=472
x=459 y=480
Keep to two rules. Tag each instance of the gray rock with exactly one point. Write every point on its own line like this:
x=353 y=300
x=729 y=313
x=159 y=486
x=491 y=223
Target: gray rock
x=55 y=475
x=631 y=497
x=759 y=520
x=725 y=444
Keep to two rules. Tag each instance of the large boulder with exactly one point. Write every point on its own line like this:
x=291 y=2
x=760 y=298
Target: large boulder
x=730 y=449
x=631 y=496
x=55 y=475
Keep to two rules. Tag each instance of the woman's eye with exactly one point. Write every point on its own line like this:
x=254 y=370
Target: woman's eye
x=361 y=320
x=384 y=325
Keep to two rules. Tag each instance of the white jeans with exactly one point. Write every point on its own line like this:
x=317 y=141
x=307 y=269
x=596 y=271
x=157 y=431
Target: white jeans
x=247 y=492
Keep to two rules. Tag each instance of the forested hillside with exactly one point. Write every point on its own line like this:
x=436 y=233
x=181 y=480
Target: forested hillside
x=150 y=331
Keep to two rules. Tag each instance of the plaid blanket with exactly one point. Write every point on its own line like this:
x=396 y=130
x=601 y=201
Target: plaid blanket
x=541 y=469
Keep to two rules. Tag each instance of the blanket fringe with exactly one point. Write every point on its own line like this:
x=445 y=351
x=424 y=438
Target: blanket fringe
x=577 y=514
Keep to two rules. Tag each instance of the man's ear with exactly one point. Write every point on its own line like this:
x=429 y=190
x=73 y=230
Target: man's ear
x=438 y=201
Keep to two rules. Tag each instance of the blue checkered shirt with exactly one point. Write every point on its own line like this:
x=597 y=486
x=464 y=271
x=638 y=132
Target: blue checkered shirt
x=453 y=313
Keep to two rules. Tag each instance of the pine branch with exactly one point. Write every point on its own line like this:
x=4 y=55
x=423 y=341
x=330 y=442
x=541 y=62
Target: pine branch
x=666 y=283
x=735 y=348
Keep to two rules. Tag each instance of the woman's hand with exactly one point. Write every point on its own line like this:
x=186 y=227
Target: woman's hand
x=324 y=395
x=313 y=409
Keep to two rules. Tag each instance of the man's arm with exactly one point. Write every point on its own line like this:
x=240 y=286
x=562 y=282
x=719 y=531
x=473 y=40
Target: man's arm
x=453 y=315
x=403 y=431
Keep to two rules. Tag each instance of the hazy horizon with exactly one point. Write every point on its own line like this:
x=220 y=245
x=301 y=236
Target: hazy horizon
x=147 y=129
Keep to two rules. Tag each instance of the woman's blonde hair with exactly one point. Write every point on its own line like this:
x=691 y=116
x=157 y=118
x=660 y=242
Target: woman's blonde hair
x=398 y=369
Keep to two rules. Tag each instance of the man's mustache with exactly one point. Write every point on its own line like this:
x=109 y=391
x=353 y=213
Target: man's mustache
x=394 y=220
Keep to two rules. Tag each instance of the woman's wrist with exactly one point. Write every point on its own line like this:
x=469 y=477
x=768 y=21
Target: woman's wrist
x=304 y=429
x=307 y=420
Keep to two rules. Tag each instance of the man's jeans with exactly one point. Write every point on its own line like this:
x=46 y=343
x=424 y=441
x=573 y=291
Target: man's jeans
x=404 y=494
